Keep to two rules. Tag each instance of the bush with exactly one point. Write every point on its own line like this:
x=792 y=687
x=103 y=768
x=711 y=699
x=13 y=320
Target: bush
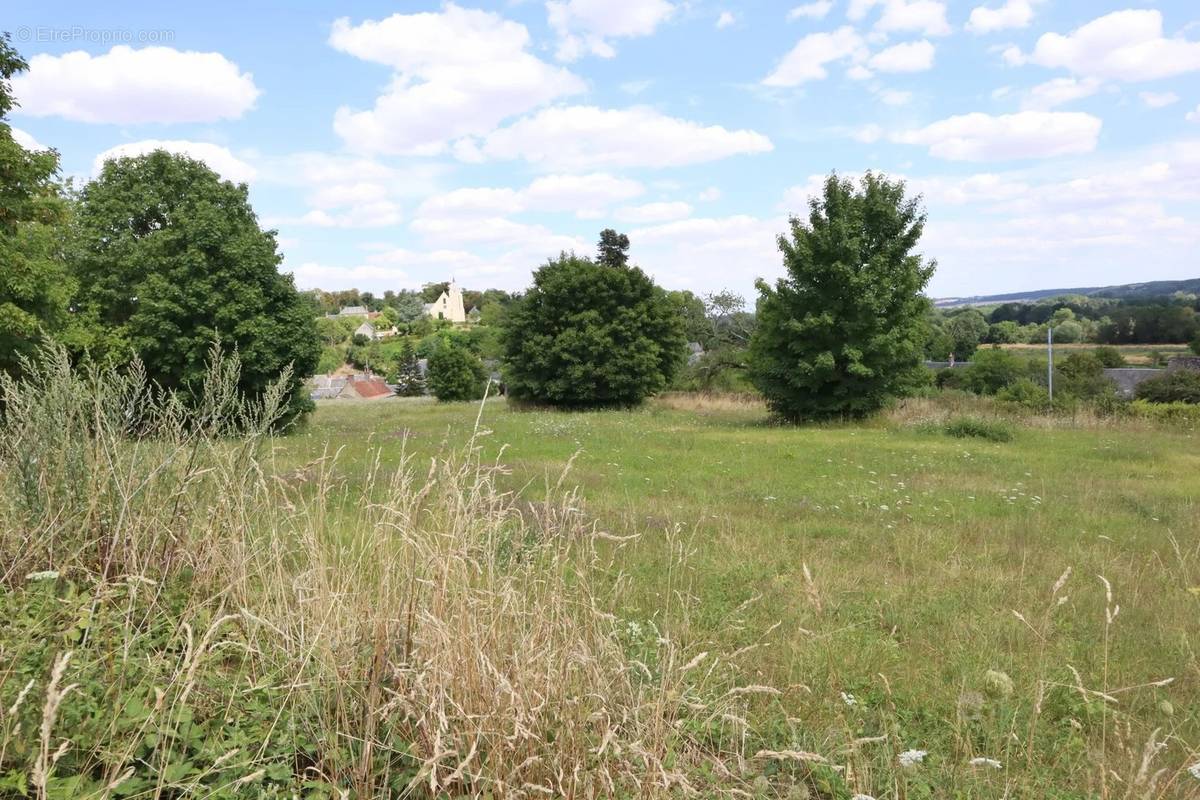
x=1026 y=394
x=1109 y=356
x=589 y=334
x=1181 y=386
x=976 y=428
x=456 y=373
x=1195 y=345
x=1082 y=375
x=992 y=370
x=1186 y=413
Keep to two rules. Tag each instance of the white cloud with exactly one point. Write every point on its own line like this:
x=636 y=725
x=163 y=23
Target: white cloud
x=459 y=72
x=806 y=61
x=368 y=277
x=704 y=254
x=370 y=214
x=585 y=195
x=817 y=10
x=1123 y=46
x=218 y=158
x=127 y=86
x=859 y=73
x=895 y=97
x=1056 y=92
x=654 y=212
x=1158 y=99
x=636 y=87
x=1010 y=14
x=709 y=195
x=868 y=134
x=906 y=57
x=585 y=26
x=725 y=20
x=927 y=17
x=1193 y=116
x=1028 y=134
x=26 y=140
x=582 y=137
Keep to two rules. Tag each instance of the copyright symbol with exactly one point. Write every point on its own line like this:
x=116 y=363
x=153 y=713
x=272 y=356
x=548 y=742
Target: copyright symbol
x=24 y=33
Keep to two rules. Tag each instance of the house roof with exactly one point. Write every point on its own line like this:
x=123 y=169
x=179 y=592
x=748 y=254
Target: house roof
x=370 y=389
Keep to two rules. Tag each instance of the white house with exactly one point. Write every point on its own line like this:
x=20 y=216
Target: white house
x=449 y=305
x=367 y=330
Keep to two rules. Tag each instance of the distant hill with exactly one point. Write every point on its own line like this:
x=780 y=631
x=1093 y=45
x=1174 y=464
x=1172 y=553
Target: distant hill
x=1128 y=290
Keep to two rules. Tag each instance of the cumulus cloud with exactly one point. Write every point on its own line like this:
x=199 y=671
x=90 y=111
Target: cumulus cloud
x=26 y=140
x=906 y=57
x=1158 y=99
x=1010 y=14
x=584 y=137
x=725 y=20
x=369 y=277
x=712 y=193
x=817 y=10
x=586 y=26
x=218 y=158
x=807 y=60
x=1056 y=92
x=587 y=196
x=127 y=86
x=927 y=17
x=710 y=253
x=458 y=72
x=1027 y=134
x=1124 y=46
x=1193 y=116
x=895 y=97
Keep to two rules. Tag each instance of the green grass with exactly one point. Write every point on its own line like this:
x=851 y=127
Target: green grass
x=920 y=549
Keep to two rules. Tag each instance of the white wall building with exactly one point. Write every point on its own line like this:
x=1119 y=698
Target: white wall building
x=449 y=305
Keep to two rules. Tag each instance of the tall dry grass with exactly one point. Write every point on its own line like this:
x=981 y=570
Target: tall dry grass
x=424 y=633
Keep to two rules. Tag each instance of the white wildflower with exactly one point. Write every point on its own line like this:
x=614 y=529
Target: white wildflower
x=1194 y=770
x=848 y=699
x=46 y=575
x=997 y=683
x=911 y=758
x=862 y=797
x=986 y=762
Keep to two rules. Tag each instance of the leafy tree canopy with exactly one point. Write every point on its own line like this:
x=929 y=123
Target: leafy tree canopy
x=591 y=334
x=170 y=258
x=843 y=331
x=34 y=284
x=613 y=249
x=455 y=373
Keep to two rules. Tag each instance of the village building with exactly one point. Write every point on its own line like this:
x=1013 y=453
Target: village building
x=448 y=306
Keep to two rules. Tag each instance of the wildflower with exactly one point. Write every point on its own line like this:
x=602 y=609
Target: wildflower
x=970 y=706
x=862 y=797
x=986 y=762
x=997 y=683
x=1194 y=770
x=911 y=758
x=848 y=699
x=46 y=575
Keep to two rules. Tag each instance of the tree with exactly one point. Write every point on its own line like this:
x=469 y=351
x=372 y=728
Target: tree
x=613 y=249
x=455 y=373
x=34 y=284
x=1195 y=345
x=843 y=332
x=409 y=307
x=170 y=258
x=967 y=329
x=430 y=292
x=589 y=334
x=1180 y=386
x=409 y=380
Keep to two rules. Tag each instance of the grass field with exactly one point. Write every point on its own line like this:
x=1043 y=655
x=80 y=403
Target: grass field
x=1136 y=355
x=884 y=575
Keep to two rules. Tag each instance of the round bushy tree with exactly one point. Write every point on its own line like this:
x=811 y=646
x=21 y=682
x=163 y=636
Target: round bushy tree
x=843 y=331
x=455 y=373
x=171 y=258
x=589 y=334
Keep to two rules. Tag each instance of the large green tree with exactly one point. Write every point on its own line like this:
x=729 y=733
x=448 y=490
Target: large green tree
x=34 y=285
x=171 y=258
x=591 y=334
x=843 y=331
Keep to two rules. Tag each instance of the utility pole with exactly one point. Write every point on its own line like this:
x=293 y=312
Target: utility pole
x=1050 y=360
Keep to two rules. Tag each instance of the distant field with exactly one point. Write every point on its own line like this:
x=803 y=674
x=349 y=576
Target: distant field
x=1135 y=354
x=876 y=573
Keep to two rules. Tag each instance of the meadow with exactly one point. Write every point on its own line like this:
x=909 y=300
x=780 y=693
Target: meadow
x=900 y=587
x=423 y=599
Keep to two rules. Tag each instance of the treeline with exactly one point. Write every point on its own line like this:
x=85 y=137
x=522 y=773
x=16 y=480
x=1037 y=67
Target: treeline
x=408 y=305
x=1167 y=320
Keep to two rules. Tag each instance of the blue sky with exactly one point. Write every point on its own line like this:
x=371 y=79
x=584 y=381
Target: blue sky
x=1056 y=142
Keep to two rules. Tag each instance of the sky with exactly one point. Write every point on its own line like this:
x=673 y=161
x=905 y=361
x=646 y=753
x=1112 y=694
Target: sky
x=1056 y=143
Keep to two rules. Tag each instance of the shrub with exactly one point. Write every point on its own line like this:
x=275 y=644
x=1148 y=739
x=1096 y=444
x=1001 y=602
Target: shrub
x=590 y=334
x=992 y=370
x=1181 y=386
x=1025 y=393
x=976 y=428
x=1195 y=345
x=1186 y=413
x=1109 y=356
x=1082 y=375
x=456 y=373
